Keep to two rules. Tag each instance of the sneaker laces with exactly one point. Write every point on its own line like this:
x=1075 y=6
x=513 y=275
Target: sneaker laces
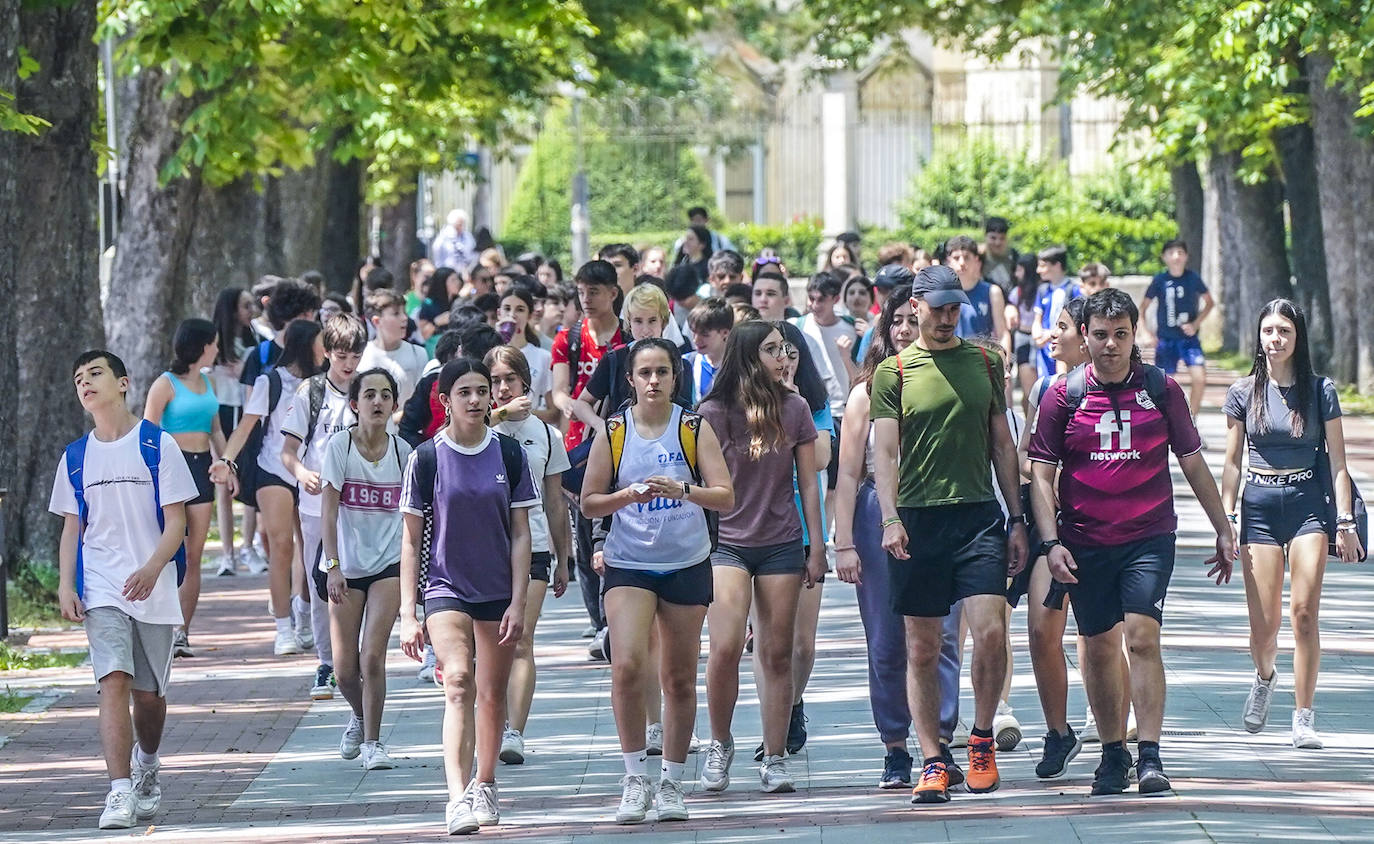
x=773 y=767
x=673 y=787
x=933 y=771
x=1306 y=720
x=980 y=757
x=715 y=757
x=636 y=789
x=482 y=797
x=1258 y=700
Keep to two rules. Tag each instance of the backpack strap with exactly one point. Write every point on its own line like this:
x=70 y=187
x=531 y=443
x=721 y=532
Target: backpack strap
x=615 y=435
x=689 y=427
x=901 y=412
x=426 y=467
x=317 y=388
x=1156 y=385
x=76 y=461
x=396 y=450
x=265 y=354
x=574 y=353
x=1076 y=386
x=513 y=457
x=273 y=390
x=150 y=447
x=997 y=384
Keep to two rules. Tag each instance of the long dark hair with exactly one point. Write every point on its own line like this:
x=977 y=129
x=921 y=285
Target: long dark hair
x=742 y=384
x=1030 y=282
x=189 y=343
x=808 y=379
x=227 y=326
x=1257 y=419
x=436 y=287
x=703 y=236
x=880 y=348
x=298 y=347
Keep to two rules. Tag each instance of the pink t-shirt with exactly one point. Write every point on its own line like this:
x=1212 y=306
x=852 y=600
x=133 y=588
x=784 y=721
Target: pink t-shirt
x=1114 y=486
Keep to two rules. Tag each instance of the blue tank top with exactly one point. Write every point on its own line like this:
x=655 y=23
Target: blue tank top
x=189 y=412
x=975 y=318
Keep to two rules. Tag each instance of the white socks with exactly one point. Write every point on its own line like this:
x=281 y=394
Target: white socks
x=636 y=763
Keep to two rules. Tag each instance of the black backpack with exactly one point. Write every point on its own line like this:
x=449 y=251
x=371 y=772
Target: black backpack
x=1076 y=385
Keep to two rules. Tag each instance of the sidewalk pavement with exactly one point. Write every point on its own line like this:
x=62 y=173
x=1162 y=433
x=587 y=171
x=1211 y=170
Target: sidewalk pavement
x=247 y=757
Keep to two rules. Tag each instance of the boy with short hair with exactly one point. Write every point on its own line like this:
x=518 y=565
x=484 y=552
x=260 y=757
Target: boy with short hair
x=289 y=301
x=710 y=321
x=1094 y=277
x=121 y=490
x=1178 y=292
x=772 y=297
x=386 y=310
x=319 y=409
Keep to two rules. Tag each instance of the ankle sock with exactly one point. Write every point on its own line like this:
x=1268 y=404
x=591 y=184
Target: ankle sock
x=673 y=770
x=122 y=784
x=284 y=624
x=1149 y=748
x=977 y=733
x=1113 y=745
x=147 y=760
x=930 y=760
x=636 y=763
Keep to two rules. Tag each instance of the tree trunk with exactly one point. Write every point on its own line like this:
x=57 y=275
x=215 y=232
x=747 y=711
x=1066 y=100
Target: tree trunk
x=1226 y=283
x=1188 y=210
x=300 y=207
x=1344 y=159
x=398 y=234
x=148 y=283
x=341 y=242
x=1254 y=254
x=1296 y=158
x=49 y=271
x=228 y=246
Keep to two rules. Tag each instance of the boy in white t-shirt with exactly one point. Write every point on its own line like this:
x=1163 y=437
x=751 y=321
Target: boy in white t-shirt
x=302 y=453
x=710 y=321
x=119 y=583
x=386 y=311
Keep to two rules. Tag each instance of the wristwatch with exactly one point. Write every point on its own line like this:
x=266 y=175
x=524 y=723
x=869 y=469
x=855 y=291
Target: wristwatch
x=1044 y=549
x=686 y=490
x=1019 y=519
x=330 y=564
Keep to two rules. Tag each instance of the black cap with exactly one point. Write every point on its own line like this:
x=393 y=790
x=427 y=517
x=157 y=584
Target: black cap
x=938 y=286
x=893 y=276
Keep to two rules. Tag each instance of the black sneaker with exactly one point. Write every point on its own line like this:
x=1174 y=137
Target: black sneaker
x=758 y=753
x=1151 y=776
x=1059 y=752
x=952 y=769
x=1111 y=774
x=896 y=769
x=796 y=729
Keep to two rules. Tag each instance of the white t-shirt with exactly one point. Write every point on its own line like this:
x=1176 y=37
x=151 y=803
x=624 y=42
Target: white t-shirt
x=269 y=459
x=541 y=373
x=830 y=361
x=369 y=526
x=335 y=416
x=122 y=532
x=546 y=455
x=406 y=363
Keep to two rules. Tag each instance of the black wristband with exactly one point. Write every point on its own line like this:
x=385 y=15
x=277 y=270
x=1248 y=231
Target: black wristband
x=1045 y=547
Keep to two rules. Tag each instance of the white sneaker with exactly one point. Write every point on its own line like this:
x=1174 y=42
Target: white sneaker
x=1132 y=732
x=426 y=672
x=351 y=743
x=147 y=790
x=305 y=635
x=669 y=798
x=458 y=815
x=1256 y=713
x=635 y=799
x=226 y=566
x=1006 y=728
x=375 y=757
x=119 y=810
x=254 y=560
x=715 y=775
x=286 y=643
x=960 y=737
x=774 y=777
x=324 y=683
x=1305 y=730
x=653 y=739
x=512 y=747
x=483 y=797
x=1089 y=732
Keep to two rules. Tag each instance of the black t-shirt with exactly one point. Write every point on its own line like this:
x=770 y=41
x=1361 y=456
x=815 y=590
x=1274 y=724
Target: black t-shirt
x=609 y=381
x=253 y=365
x=429 y=310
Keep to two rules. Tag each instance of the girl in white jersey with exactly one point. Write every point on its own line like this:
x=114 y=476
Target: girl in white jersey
x=658 y=566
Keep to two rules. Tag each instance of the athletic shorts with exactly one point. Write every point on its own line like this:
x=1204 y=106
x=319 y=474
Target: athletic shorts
x=199 y=464
x=832 y=469
x=266 y=479
x=476 y=610
x=141 y=650
x=1277 y=510
x=806 y=555
x=1169 y=351
x=1018 y=586
x=1024 y=348
x=786 y=558
x=362 y=584
x=689 y=587
x=541 y=564
x=957 y=550
x=1116 y=579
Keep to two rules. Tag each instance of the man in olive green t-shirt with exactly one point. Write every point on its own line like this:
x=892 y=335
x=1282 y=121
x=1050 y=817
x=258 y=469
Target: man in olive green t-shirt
x=939 y=417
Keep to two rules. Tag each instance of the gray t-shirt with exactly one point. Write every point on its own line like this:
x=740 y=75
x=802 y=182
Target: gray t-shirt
x=1278 y=448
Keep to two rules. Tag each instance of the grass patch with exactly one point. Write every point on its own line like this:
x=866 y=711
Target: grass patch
x=12 y=702
x=1234 y=361
x=12 y=658
x=33 y=596
x=1353 y=402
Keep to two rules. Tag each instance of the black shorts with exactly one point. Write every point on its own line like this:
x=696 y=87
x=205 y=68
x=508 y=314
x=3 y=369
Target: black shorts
x=476 y=610
x=362 y=584
x=689 y=587
x=199 y=464
x=957 y=550
x=266 y=479
x=541 y=562
x=1018 y=586
x=832 y=469
x=1116 y=579
x=786 y=558
x=1024 y=349
x=1273 y=513
x=229 y=416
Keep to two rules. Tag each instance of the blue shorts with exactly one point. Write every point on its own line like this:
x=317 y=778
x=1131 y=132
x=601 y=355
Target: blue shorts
x=1168 y=353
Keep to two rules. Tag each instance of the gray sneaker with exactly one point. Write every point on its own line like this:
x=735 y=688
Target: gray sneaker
x=671 y=805
x=774 y=777
x=458 y=816
x=715 y=775
x=635 y=799
x=119 y=810
x=653 y=739
x=1256 y=713
x=483 y=797
x=351 y=743
x=147 y=790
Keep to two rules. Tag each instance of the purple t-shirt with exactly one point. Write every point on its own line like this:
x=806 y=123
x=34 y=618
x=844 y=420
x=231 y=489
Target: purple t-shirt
x=472 y=503
x=764 y=512
x=1114 y=486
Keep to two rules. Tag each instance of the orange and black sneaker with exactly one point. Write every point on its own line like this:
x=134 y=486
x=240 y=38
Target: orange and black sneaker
x=933 y=786
x=982 y=765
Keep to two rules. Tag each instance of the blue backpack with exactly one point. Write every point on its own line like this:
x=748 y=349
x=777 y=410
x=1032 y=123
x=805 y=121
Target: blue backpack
x=150 y=446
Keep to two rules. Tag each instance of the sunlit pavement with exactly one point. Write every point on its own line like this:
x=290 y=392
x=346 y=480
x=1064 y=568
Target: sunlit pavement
x=1229 y=785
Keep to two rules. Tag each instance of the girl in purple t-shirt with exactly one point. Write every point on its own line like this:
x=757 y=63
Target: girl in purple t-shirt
x=478 y=539
x=767 y=435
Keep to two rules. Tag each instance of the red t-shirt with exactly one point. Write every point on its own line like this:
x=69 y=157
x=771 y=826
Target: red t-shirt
x=590 y=355
x=1114 y=486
